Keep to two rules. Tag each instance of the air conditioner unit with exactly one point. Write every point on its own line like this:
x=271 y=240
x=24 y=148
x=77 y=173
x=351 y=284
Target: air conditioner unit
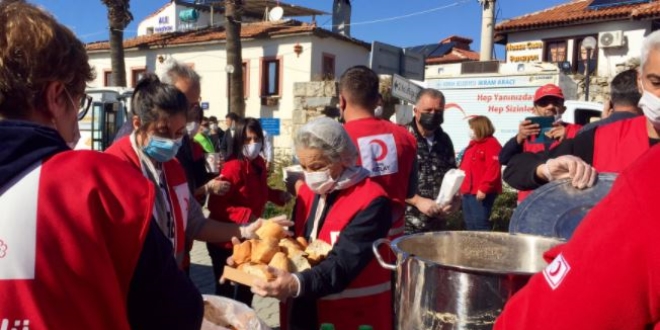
x=611 y=39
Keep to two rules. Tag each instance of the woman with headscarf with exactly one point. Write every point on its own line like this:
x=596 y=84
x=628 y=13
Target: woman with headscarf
x=341 y=206
x=159 y=125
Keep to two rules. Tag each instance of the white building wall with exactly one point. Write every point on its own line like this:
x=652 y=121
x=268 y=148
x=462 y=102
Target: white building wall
x=608 y=58
x=210 y=60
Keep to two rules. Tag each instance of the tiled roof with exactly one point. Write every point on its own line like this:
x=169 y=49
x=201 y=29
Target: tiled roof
x=456 y=55
x=577 y=12
x=248 y=31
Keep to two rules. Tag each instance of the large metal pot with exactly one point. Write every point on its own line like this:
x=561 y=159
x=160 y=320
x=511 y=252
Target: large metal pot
x=460 y=279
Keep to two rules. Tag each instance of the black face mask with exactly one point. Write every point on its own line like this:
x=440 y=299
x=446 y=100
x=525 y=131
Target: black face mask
x=430 y=121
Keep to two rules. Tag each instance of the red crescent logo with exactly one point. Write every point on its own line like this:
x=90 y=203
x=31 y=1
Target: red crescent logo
x=383 y=148
x=554 y=272
x=455 y=105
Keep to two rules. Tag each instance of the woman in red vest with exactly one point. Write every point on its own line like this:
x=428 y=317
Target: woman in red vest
x=246 y=199
x=483 y=177
x=160 y=123
x=341 y=206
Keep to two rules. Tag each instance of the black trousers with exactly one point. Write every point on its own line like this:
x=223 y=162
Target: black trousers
x=238 y=292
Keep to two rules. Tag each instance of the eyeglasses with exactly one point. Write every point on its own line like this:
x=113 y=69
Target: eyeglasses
x=83 y=107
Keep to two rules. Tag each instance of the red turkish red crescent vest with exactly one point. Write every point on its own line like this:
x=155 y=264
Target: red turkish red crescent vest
x=571 y=132
x=618 y=144
x=368 y=295
x=178 y=191
x=388 y=152
x=71 y=233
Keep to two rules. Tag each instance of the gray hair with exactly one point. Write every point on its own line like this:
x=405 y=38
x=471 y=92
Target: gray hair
x=329 y=136
x=651 y=42
x=172 y=70
x=433 y=93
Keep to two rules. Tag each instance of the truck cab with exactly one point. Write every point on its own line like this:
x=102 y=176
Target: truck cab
x=110 y=108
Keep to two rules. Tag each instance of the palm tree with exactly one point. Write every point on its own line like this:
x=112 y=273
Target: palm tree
x=233 y=9
x=119 y=16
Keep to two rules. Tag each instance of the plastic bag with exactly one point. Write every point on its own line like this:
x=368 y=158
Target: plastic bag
x=450 y=185
x=222 y=313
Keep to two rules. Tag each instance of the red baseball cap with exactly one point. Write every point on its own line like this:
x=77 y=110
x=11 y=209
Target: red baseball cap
x=548 y=90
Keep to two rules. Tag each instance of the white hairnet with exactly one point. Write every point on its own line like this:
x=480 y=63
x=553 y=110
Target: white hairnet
x=329 y=136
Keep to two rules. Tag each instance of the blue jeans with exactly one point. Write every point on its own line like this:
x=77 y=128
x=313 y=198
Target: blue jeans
x=476 y=213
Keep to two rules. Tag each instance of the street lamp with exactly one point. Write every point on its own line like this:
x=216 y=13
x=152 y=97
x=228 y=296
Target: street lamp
x=229 y=69
x=589 y=43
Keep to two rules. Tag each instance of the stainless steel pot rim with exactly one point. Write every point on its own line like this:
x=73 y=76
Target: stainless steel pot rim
x=481 y=271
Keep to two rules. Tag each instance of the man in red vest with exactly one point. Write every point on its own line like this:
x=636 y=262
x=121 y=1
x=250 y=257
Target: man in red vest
x=548 y=102
x=387 y=151
x=79 y=248
x=605 y=276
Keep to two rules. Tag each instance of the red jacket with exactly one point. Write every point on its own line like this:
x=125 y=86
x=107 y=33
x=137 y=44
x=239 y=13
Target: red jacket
x=618 y=144
x=248 y=194
x=606 y=276
x=69 y=253
x=482 y=167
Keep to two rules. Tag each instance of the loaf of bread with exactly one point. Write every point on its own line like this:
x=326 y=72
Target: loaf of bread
x=280 y=261
x=264 y=250
x=242 y=252
x=317 y=251
x=270 y=229
x=258 y=270
x=290 y=246
x=302 y=241
x=299 y=263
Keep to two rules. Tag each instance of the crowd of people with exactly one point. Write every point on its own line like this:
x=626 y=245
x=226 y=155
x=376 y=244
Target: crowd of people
x=109 y=234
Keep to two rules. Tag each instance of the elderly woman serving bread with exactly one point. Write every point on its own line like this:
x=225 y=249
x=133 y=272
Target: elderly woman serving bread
x=338 y=205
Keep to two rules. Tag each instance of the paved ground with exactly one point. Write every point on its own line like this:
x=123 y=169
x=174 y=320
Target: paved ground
x=202 y=275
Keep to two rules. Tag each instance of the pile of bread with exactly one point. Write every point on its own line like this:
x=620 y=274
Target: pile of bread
x=275 y=249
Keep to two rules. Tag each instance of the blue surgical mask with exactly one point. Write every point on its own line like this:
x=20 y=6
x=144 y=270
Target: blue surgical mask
x=162 y=149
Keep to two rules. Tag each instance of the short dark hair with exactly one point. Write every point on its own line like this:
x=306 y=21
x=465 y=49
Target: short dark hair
x=152 y=100
x=213 y=119
x=359 y=84
x=240 y=134
x=624 y=89
x=233 y=116
x=433 y=93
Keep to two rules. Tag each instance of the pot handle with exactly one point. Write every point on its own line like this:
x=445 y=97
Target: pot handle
x=382 y=262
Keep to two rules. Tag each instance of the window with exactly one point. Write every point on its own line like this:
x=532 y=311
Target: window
x=270 y=76
x=136 y=75
x=328 y=69
x=555 y=51
x=580 y=57
x=107 y=77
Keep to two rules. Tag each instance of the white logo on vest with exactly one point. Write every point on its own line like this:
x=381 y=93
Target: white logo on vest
x=18 y=245
x=378 y=154
x=17 y=325
x=556 y=271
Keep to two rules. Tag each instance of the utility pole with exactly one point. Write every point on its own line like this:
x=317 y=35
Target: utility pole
x=487 y=29
x=233 y=10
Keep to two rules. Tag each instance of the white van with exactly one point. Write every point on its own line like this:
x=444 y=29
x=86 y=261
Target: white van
x=581 y=112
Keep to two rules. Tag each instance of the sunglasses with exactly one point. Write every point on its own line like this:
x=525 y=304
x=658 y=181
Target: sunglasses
x=544 y=102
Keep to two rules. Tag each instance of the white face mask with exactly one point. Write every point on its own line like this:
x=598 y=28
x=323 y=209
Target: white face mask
x=192 y=128
x=471 y=135
x=650 y=105
x=319 y=182
x=378 y=112
x=252 y=150
x=214 y=127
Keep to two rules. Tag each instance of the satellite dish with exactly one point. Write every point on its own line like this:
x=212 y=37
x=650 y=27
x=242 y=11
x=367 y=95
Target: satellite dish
x=276 y=14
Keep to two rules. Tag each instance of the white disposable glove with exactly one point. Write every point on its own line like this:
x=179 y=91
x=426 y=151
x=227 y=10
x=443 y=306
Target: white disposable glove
x=582 y=175
x=249 y=231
